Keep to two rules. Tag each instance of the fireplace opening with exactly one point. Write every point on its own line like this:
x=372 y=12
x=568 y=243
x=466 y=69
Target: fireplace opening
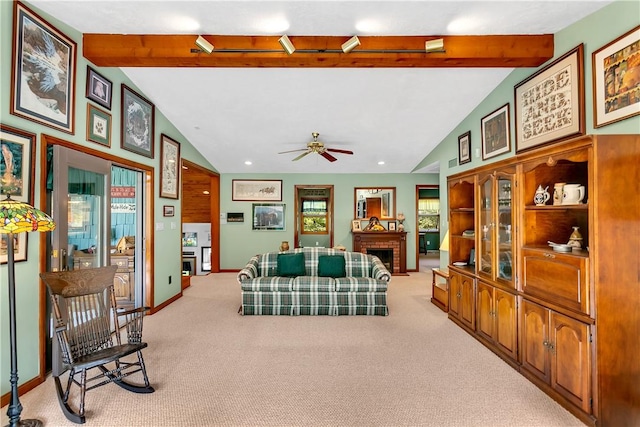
x=385 y=255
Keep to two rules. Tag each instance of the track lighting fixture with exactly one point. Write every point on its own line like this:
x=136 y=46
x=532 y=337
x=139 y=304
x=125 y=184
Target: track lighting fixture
x=350 y=44
x=204 y=45
x=436 y=45
x=287 y=45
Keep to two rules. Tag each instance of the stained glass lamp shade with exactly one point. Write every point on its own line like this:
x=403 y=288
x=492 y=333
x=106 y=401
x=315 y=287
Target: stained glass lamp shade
x=18 y=217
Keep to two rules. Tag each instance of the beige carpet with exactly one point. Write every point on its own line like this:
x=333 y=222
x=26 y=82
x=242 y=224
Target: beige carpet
x=213 y=367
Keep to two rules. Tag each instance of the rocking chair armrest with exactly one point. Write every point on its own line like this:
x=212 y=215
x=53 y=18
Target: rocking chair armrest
x=126 y=312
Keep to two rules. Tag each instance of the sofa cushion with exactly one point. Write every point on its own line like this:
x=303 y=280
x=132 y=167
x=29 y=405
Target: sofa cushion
x=360 y=284
x=358 y=264
x=291 y=265
x=331 y=266
x=263 y=284
x=314 y=284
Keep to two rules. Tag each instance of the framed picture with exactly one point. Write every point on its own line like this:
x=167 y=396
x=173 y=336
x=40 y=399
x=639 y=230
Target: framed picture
x=206 y=258
x=392 y=226
x=268 y=216
x=464 y=148
x=98 y=125
x=168 y=210
x=190 y=239
x=169 y=167
x=99 y=88
x=256 y=191
x=496 y=137
x=616 y=79
x=549 y=105
x=43 y=71
x=19 y=247
x=17 y=172
x=356 y=225
x=137 y=123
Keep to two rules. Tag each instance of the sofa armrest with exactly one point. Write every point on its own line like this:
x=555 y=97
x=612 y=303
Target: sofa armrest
x=378 y=270
x=250 y=271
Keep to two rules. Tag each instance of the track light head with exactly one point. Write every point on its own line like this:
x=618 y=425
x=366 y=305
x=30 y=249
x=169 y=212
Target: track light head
x=204 y=45
x=436 y=45
x=350 y=44
x=287 y=45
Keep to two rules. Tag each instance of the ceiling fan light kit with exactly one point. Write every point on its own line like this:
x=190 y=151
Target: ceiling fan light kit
x=317 y=147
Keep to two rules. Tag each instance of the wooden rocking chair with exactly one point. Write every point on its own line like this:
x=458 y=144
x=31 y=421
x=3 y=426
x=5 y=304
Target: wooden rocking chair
x=87 y=325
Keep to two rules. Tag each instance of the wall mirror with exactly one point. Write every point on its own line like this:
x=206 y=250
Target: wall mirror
x=375 y=201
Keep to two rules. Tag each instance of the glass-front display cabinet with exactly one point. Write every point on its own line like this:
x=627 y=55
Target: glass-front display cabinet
x=495 y=226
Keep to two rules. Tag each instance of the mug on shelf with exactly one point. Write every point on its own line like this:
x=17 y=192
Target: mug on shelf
x=572 y=194
x=558 y=192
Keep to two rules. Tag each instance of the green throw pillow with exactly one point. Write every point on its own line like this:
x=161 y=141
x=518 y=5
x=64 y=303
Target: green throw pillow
x=291 y=265
x=331 y=266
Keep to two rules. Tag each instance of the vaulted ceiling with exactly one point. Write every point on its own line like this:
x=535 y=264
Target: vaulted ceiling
x=387 y=100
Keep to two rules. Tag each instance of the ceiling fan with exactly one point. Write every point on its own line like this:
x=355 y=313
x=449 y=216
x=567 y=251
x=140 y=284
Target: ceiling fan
x=317 y=147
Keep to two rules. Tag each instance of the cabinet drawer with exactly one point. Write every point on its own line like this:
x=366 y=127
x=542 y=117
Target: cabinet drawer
x=558 y=278
x=121 y=262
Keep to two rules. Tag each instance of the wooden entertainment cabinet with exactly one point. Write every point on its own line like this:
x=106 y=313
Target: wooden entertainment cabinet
x=569 y=322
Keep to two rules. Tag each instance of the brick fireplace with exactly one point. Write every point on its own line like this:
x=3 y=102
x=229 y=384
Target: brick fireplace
x=364 y=241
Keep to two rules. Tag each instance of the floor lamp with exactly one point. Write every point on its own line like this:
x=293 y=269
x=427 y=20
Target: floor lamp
x=18 y=217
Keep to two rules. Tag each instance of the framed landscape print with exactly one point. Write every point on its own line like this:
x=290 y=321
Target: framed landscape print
x=169 y=167
x=549 y=105
x=616 y=79
x=496 y=137
x=98 y=125
x=137 y=123
x=99 y=88
x=464 y=148
x=17 y=172
x=43 y=71
x=252 y=190
x=268 y=216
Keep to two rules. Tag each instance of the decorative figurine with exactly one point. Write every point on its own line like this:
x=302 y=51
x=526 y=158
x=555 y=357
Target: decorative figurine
x=542 y=196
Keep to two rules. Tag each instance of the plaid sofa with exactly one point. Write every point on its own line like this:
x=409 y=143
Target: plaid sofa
x=362 y=291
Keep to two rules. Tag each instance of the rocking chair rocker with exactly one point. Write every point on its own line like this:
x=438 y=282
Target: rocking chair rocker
x=87 y=325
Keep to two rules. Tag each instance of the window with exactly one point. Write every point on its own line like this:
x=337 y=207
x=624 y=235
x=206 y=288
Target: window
x=314 y=216
x=429 y=214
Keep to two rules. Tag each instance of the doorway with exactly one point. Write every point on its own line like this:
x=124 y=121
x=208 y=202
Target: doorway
x=428 y=226
x=313 y=216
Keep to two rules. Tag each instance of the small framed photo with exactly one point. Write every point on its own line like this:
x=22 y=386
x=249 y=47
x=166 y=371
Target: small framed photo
x=392 y=226
x=98 y=125
x=464 y=148
x=616 y=73
x=168 y=210
x=17 y=157
x=549 y=105
x=43 y=71
x=99 y=88
x=496 y=138
x=169 y=167
x=19 y=247
x=137 y=123
x=356 y=225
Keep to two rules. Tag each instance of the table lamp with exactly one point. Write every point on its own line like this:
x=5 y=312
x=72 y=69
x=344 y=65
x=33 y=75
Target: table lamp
x=18 y=217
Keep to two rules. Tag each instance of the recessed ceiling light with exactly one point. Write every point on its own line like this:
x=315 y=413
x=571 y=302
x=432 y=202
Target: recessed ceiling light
x=381 y=162
x=205 y=192
x=248 y=163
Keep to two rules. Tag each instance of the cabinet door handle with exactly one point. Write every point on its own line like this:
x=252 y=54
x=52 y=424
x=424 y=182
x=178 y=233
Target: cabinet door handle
x=459 y=295
x=552 y=348
x=545 y=343
x=550 y=255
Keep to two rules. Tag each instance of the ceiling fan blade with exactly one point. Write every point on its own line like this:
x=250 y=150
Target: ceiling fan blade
x=300 y=156
x=336 y=150
x=293 y=151
x=328 y=156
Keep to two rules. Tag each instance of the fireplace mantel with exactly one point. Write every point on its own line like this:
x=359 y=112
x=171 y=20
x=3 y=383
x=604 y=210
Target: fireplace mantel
x=396 y=240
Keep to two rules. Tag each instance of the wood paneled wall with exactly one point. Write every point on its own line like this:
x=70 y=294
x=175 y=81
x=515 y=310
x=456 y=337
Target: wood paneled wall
x=196 y=205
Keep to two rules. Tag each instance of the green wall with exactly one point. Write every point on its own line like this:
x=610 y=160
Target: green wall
x=594 y=31
x=238 y=242
x=167 y=260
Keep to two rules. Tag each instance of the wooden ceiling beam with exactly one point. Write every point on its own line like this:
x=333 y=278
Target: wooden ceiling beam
x=144 y=50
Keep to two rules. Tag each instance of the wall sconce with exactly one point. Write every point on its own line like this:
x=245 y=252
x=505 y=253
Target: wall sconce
x=204 y=45
x=350 y=44
x=436 y=45
x=287 y=45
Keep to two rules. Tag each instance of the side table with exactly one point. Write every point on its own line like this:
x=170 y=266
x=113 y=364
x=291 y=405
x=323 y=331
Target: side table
x=440 y=289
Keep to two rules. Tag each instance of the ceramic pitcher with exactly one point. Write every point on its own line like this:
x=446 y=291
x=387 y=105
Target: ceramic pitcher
x=572 y=194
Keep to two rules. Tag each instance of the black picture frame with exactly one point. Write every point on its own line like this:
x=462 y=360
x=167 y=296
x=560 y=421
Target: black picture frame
x=496 y=133
x=99 y=88
x=137 y=123
x=17 y=159
x=464 y=148
x=168 y=210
